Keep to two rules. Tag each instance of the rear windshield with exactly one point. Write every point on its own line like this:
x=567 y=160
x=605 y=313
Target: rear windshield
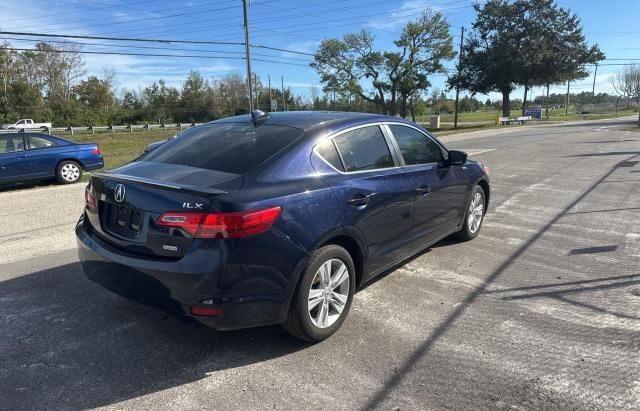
x=230 y=147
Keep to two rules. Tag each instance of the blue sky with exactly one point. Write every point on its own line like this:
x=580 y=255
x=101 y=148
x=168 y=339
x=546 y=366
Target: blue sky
x=292 y=25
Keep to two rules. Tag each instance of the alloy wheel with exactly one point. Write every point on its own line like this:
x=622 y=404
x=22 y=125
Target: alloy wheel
x=476 y=212
x=329 y=293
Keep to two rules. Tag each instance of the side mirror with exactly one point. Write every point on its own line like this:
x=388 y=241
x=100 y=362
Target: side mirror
x=457 y=158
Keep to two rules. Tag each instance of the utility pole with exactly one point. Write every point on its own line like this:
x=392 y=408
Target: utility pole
x=284 y=102
x=269 y=78
x=593 y=91
x=247 y=53
x=455 y=116
x=566 y=108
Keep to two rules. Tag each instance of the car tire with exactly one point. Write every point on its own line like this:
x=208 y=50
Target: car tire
x=326 y=294
x=474 y=215
x=68 y=172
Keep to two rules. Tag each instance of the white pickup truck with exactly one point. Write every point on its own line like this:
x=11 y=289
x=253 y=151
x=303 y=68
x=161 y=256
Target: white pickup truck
x=25 y=123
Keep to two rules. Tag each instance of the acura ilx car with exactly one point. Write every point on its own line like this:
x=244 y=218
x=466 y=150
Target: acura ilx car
x=276 y=218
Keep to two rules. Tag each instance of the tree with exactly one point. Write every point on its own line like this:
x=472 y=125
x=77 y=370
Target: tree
x=522 y=43
x=627 y=84
x=97 y=97
x=387 y=79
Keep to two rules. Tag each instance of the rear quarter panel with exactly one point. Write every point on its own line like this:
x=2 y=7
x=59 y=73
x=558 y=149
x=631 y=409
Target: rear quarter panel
x=45 y=161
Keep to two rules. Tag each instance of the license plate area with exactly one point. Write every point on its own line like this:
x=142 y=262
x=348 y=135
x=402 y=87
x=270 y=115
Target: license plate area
x=125 y=222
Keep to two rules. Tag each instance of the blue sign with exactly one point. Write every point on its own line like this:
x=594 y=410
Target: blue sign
x=533 y=112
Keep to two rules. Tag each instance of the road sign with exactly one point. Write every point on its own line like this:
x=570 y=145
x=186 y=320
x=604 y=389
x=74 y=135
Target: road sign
x=533 y=112
x=274 y=104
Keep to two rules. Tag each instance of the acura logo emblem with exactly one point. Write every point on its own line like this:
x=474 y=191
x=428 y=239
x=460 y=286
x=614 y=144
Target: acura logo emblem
x=119 y=193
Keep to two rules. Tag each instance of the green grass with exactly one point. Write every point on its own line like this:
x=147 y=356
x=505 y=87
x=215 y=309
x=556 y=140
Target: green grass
x=556 y=115
x=120 y=148
x=466 y=117
x=559 y=115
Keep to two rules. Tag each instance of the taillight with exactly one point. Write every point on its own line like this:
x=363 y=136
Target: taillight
x=206 y=311
x=96 y=151
x=221 y=225
x=90 y=197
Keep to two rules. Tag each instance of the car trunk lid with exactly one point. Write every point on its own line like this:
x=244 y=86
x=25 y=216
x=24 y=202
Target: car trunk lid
x=130 y=200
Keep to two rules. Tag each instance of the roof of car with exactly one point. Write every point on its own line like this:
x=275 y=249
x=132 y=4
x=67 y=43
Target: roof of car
x=308 y=119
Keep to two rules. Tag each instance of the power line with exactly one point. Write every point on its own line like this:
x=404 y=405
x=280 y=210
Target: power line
x=164 y=41
x=189 y=23
x=156 y=48
x=408 y=12
x=156 y=55
x=66 y=13
x=348 y=21
x=146 y=19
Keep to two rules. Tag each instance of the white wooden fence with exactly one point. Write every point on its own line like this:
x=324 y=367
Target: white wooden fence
x=105 y=129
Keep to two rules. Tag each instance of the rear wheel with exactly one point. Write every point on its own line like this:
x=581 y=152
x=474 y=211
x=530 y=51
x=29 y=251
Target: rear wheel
x=474 y=216
x=68 y=172
x=323 y=296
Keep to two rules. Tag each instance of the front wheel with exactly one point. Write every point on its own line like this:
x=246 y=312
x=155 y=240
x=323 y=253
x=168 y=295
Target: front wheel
x=68 y=172
x=474 y=216
x=323 y=296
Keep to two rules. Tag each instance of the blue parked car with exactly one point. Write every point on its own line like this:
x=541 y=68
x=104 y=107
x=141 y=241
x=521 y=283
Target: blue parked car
x=276 y=219
x=35 y=156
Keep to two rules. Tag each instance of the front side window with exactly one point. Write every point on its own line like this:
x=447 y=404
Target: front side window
x=36 y=143
x=416 y=148
x=11 y=143
x=364 y=149
x=229 y=147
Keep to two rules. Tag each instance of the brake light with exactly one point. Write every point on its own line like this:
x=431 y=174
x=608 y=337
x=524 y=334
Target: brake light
x=96 y=151
x=221 y=225
x=90 y=197
x=206 y=311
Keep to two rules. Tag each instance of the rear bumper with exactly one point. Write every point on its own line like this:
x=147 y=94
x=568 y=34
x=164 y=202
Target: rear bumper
x=93 y=164
x=175 y=286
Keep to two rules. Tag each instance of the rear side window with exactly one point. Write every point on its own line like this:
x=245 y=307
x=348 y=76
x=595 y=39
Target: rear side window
x=416 y=148
x=328 y=151
x=36 y=142
x=11 y=143
x=230 y=147
x=364 y=149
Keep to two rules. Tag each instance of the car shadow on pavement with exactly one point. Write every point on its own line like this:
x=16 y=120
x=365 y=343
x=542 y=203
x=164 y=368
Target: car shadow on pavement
x=66 y=342
x=423 y=349
x=27 y=185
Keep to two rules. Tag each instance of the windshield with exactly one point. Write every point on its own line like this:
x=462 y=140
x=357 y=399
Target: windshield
x=229 y=147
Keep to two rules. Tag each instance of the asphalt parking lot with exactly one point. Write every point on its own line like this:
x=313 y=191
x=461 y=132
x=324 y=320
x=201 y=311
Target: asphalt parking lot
x=542 y=310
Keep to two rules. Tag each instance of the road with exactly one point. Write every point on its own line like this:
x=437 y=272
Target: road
x=542 y=310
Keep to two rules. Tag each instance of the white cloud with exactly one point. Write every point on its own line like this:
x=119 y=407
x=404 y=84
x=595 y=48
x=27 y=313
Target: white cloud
x=309 y=46
x=400 y=16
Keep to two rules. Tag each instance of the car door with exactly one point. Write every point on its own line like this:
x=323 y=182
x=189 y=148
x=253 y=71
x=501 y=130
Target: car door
x=14 y=160
x=44 y=155
x=374 y=192
x=439 y=193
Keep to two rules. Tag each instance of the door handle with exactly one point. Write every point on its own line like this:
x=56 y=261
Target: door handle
x=423 y=190
x=360 y=200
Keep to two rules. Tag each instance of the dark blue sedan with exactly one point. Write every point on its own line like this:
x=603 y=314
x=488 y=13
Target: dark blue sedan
x=276 y=219
x=35 y=156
